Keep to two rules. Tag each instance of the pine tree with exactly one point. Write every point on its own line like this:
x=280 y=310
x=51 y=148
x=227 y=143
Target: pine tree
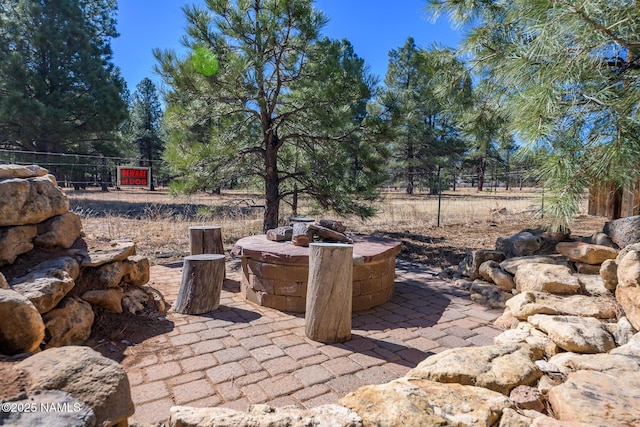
x=59 y=92
x=284 y=107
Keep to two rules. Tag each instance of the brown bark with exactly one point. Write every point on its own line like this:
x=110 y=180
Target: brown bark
x=201 y=285
x=329 y=292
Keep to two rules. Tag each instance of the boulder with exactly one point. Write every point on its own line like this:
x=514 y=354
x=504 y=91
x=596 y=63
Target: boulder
x=583 y=268
x=597 y=398
x=585 y=252
x=529 y=303
x=622 y=331
x=116 y=251
x=15 y=241
x=500 y=368
x=21 y=327
x=574 y=333
x=51 y=408
x=520 y=244
x=629 y=269
x=68 y=324
x=59 y=231
x=609 y=274
x=49 y=283
x=555 y=279
x=264 y=416
x=511 y=265
x=136 y=270
x=593 y=285
x=110 y=299
x=3 y=282
x=615 y=364
x=18 y=171
x=631 y=348
x=475 y=259
x=85 y=374
x=488 y=294
x=526 y=397
x=623 y=231
x=629 y=300
x=525 y=333
x=492 y=272
x=417 y=402
x=512 y=418
x=103 y=277
x=30 y=201
x=599 y=238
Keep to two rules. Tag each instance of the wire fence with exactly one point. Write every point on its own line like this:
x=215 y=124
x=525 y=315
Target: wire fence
x=75 y=170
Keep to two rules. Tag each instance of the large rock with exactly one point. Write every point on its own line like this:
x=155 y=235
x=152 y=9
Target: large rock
x=486 y=293
x=111 y=299
x=574 y=333
x=631 y=348
x=609 y=274
x=136 y=270
x=615 y=364
x=416 y=402
x=21 y=327
x=30 y=201
x=629 y=269
x=115 y=251
x=264 y=416
x=18 y=171
x=49 y=283
x=15 y=241
x=103 y=277
x=629 y=300
x=68 y=324
x=623 y=231
x=99 y=382
x=598 y=399
x=529 y=303
x=520 y=244
x=475 y=259
x=525 y=333
x=59 y=231
x=492 y=272
x=585 y=252
x=51 y=408
x=497 y=367
x=511 y=265
x=554 y=279
x=593 y=285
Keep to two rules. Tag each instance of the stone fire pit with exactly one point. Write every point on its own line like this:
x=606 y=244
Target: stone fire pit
x=274 y=274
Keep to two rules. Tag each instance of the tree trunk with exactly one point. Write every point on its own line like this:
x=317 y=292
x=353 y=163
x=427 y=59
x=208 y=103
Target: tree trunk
x=201 y=284
x=329 y=292
x=482 y=165
x=205 y=240
x=271 y=181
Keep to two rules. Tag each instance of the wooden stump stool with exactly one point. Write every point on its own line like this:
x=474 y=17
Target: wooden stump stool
x=201 y=285
x=205 y=239
x=329 y=292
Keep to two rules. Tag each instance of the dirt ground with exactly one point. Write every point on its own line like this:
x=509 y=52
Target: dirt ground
x=160 y=227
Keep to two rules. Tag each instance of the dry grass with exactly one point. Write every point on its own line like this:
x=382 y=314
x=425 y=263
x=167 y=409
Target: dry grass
x=468 y=219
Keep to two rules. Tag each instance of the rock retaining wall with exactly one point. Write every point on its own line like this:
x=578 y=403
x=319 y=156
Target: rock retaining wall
x=52 y=280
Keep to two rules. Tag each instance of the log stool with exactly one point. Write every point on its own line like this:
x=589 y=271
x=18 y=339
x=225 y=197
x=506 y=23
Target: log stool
x=201 y=285
x=329 y=292
x=205 y=239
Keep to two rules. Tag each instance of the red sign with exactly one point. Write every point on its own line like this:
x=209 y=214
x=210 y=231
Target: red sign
x=134 y=177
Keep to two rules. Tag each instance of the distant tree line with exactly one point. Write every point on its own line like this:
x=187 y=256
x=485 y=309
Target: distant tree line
x=262 y=99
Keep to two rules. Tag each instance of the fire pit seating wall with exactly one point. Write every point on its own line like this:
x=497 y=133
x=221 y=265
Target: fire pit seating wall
x=275 y=274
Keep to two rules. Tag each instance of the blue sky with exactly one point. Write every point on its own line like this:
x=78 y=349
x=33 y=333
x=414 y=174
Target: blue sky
x=373 y=27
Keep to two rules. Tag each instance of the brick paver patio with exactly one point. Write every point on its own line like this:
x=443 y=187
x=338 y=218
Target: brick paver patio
x=243 y=354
